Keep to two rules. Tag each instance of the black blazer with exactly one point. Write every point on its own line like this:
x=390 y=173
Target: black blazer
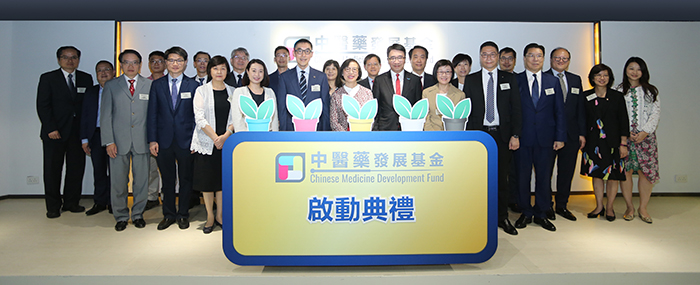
x=387 y=119
x=91 y=104
x=56 y=105
x=574 y=109
x=614 y=117
x=230 y=80
x=365 y=83
x=429 y=80
x=507 y=102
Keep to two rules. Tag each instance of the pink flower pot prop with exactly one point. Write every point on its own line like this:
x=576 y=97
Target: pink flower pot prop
x=357 y=125
x=301 y=125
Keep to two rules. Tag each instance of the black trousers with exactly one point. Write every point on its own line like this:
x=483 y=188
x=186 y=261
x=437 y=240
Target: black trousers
x=100 y=169
x=566 y=166
x=167 y=159
x=55 y=152
x=504 y=159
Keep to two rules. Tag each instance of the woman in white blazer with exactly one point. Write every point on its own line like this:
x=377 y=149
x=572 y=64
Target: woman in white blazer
x=253 y=85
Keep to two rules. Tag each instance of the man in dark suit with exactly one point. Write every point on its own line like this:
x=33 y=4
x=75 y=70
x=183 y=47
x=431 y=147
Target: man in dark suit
x=239 y=60
x=544 y=131
x=496 y=110
x=395 y=81
x=372 y=65
x=91 y=137
x=507 y=57
x=419 y=58
x=170 y=126
x=314 y=83
x=575 y=130
x=200 y=61
x=282 y=62
x=59 y=102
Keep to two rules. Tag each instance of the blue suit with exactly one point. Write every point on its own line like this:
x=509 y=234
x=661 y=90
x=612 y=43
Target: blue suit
x=274 y=81
x=98 y=153
x=289 y=84
x=542 y=126
x=172 y=128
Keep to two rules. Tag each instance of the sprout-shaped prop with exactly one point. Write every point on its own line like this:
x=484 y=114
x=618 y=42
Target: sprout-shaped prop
x=360 y=118
x=411 y=118
x=257 y=117
x=454 y=117
x=305 y=117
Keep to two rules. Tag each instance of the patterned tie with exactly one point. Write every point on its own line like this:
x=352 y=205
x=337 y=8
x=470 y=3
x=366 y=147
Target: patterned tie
x=71 y=86
x=201 y=81
x=563 y=85
x=302 y=85
x=238 y=82
x=131 y=86
x=535 y=91
x=490 y=110
x=398 y=85
x=173 y=92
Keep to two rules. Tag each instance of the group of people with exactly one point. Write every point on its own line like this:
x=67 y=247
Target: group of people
x=537 y=118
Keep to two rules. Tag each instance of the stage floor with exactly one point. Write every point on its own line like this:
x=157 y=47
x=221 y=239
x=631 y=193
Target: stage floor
x=82 y=249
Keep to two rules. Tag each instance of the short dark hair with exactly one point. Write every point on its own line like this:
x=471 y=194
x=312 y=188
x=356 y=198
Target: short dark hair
x=533 y=45
x=156 y=53
x=441 y=63
x=598 y=68
x=201 y=52
x=302 y=40
x=551 y=54
x=488 y=44
x=410 y=53
x=345 y=64
x=217 y=60
x=130 y=51
x=370 y=56
x=176 y=50
x=396 y=47
x=60 y=50
x=284 y=48
x=266 y=78
x=508 y=50
x=241 y=49
x=461 y=57
x=104 y=61
x=338 y=81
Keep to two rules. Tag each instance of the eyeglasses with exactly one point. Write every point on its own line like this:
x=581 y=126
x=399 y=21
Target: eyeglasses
x=202 y=60
x=236 y=57
x=75 y=57
x=536 y=56
x=131 y=62
x=283 y=55
x=303 y=51
x=507 y=58
x=396 y=58
x=104 y=70
x=156 y=61
x=176 y=61
x=601 y=75
x=372 y=64
x=561 y=58
x=489 y=55
x=351 y=69
x=444 y=72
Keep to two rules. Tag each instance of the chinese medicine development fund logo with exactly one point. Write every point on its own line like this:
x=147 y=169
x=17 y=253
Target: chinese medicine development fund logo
x=290 y=167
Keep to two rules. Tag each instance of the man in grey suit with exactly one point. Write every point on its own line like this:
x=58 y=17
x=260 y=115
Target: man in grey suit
x=123 y=125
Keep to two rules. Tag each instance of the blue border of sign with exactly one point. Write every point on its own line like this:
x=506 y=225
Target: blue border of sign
x=355 y=260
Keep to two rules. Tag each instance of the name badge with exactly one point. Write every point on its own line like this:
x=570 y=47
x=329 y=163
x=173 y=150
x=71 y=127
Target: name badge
x=505 y=86
x=591 y=97
x=81 y=89
x=575 y=91
x=549 y=91
x=315 y=88
x=186 y=95
x=143 y=96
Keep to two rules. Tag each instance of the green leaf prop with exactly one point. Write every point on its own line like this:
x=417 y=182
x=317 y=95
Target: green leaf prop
x=266 y=109
x=402 y=106
x=248 y=107
x=444 y=105
x=295 y=106
x=463 y=109
x=313 y=110
x=420 y=110
x=369 y=110
x=351 y=106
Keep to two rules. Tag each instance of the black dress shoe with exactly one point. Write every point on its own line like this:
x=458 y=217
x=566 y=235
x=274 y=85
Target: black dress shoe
x=546 y=224
x=523 y=221
x=592 y=215
x=183 y=223
x=74 y=209
x=139 y=223
x=507 y=227
x=52 y=214
x=151 y=204
x=610 y=218
x=514 y=208
x=165 y=223
x=95 y=209
x=120 y=226
x=208 y=230
x=566 y=214
x=550 y=214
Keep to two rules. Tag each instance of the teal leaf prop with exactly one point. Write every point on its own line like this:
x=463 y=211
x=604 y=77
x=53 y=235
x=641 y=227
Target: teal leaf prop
x=402 y=106
x=295 y=106
x=444 y=105
x=463 y=109
x=420 y=110
x=351 y=106
x=369 y=110
x=266 y=109
x=313 y=110
x=248 y=107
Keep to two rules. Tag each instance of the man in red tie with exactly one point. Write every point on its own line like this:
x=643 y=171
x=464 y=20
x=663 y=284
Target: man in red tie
x=395 y=81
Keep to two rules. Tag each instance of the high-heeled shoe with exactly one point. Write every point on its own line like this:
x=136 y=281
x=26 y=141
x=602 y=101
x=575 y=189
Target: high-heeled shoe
x=216 y=223
x=208 y=230
x=593 y=215
x=646 y=219
x=610 y=218
x=628 y=217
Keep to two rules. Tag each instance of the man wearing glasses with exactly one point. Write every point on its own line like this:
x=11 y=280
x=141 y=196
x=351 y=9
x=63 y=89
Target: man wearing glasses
x=575 y=130
x=395 y=81
x=282 y=62
x=306 y=83
x=496 y=110
x=156 y=64
x=239 y=60
x=123 y=128
x=372 y=65
x=201 y=59
x=59 y=103
x=170 y=127
x=506 y=59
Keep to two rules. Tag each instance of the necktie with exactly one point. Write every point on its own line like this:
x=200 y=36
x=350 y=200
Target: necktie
x=563 y=85
x=131 y=86
x=490 y=110
x=371 y=83
x=201 y=81
x=302 y=85
x=398 y=85
x=421 y=82
x=173 y=92
x=238 y=82
x=535 y=91
x=71 y=86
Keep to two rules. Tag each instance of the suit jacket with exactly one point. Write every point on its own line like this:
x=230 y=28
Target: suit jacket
x=88 y=121
x=166 y=124
x=289 y=84
x=545 y=123
x=574 y=106
x=56 y=105
x=123 y=117
x=433 y=122
x=274 y=80
x=429 y=80
x=507 y=103
x=231 y=80
x=365 y=83
x=387 y=119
